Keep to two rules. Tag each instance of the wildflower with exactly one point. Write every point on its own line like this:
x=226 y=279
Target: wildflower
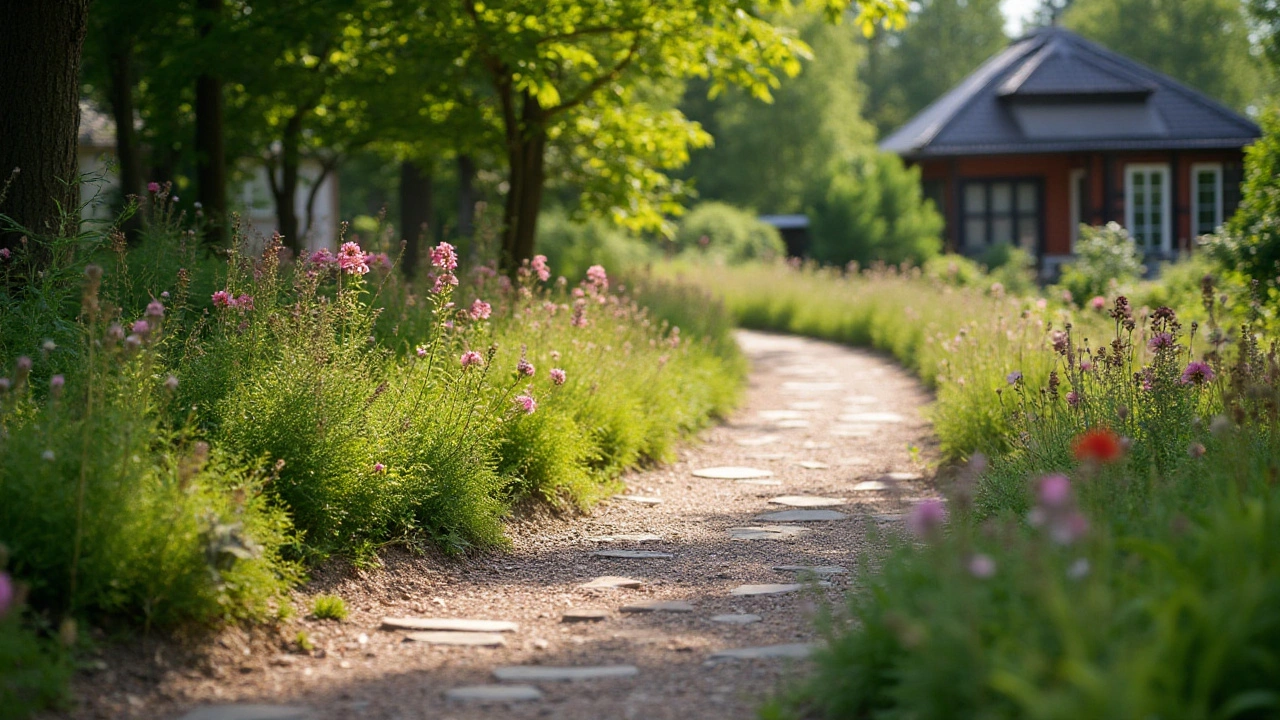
x=5 y=384
x=1097 y=445
x=447 y=324
x=1196 y=451
x=524 y=367
x=155 y=309
x=997 y=290
x=540 y=268
x=555 y=354
x=422 y=351
x=982 y=566
x=165 y=295
x=351 y=259
x=1197 y=373
x=141 y=327
x=115 y=332
x=1073 y=399
x=444 y=257
x=244 y=302
x=1160 y=341
x=23 y=364
x=47 y=456
x=1014 y=377
x=48 y=346
x=132 y=342
x=443 y=281
x=222 y=299
x=379 y=468
x=1058 y=338
x=469 y=358
x=377 y=260
x=1067 y=297
x=173 y=199
x=557 y=376
x=579 y=292
x=55 y=385
x=927 y=517
x=1078 y=569
x=480 y=310
x=1042 y=304
x=597 y=277
x=579 y=314
x=1069 y=528
x=6 y=593
x=550 y=307
x=526 y=403
x=171 y=383
x=1054 y=491
x=1098 y=303
x=1085 y=366
x=4 y=253
x=153 y=187
x=322 y=257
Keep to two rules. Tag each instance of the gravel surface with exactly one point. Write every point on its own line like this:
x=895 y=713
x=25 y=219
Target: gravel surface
x=821 y=418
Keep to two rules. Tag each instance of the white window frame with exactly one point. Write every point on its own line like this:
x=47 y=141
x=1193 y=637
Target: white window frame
x=1194 y=185
x=1166 y=221
x=1074 y=180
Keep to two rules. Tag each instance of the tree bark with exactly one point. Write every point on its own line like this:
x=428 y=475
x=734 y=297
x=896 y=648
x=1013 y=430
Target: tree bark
x=417 y=211
x=211 y=155
x=121 y=99
x=526 y=157
x=466 y=196
x=286 y=188
x=40 y=46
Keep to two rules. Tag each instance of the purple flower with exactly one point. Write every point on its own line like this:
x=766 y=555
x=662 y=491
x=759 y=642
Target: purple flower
x=1058 y=338
x=6 y=593
x=524 y=367
x=1197 y=373
x=1069 y=528
x=927 y=517
x=597 y=277
x=1073 y=399
x=379 y=468
x=4 y=253
x=470 y=358
x=982 y=566
x=1054 y=491
x=222 y=299
x=444 y=257
x=526 y=403
x=244 y=302
x=1014 y=377
x=141 y=327
x=55 y=385
x=322 y=257
x=1160 y=341
x=155 y=309
x=153 y=187
x=557 y=376
x=422 y=351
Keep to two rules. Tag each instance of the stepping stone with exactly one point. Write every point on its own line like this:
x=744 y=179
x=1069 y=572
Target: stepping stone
x=870 y=485
x=764 y=652
x=632 y=554
x=611 y=582
x=635 y=538
x=813 y=465
x=851 y=432
x=806 y=405
x=493 y=693
x=249 y=712
x=759 y=482
x=675 y=606
x=862 y=399
x=779 y=414
x=820 y=570
x=802 y=386
x=767 y=532
x=792 y=424
x=732 y=473
x=903 y=476
x=641 y=499
x=449 y=624
x=872 y=417
x=766 y=589
x=757 y=441
x=806 y=501
x=546 y=673
x=736 y=619
x=584 y=615
x=814 y=445
x=469 y=639
x=802 y=516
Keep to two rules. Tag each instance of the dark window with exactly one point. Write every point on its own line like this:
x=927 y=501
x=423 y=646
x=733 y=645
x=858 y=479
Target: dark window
x=1232 y=176
x=935 y=190
x=1000 y=211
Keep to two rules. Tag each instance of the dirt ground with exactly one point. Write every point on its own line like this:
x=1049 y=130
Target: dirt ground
x=851 y=415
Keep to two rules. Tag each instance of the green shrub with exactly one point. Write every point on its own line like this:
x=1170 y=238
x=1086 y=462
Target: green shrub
x=1105 y=258
x=1250 y=243
x=329 y=607
x=727 y=232
x=871 y=212
x=573 y=246
x=33 y=669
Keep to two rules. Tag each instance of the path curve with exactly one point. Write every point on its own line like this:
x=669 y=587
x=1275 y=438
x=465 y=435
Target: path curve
x=850 y=416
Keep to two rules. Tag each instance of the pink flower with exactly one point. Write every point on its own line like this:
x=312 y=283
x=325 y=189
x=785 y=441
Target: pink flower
x=927 y=517
x=1042 y=304
x=1085 y=366
x=557 y=376
x=141 y=327
x=4 y=253
x=422 y=351
x=379 y=468
x=1160 y=341
x=155 y=309
x=1196 y=451
x=597 y=277
x=351 y=259
x=244 y=302
x=153 y=187
x=1098 y=303
x=982 y=566
x=1073 y=399
x=6 y=593
x=1054 y=491
x=55 y=385
x=471 y=357
x=444 y=257
x=526 y=403
x=377 y=260
x=222 y=299
x=540 y=268
x=322 y=257
x=444 y=281
x=524 y=367
x=1069 y=528
x=1059 y=338
x=1197 y=373
x=480 y=310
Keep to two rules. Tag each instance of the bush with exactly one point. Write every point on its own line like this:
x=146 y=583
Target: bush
x=1250 y=243
x=873 y=212
x=1106 y=258
x=33 y=669
x=572 y=246
x=726 y=232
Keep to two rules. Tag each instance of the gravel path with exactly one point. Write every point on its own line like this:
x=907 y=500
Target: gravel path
x=831 y=428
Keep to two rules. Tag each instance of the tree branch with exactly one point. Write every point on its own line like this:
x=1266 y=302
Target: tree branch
x=591 y=87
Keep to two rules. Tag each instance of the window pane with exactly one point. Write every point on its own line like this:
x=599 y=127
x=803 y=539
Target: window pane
x=1001 y=197
x=1027 y=196
x=975 y=199
x=975 y=233
x=1028 y=233
x=1002 y=230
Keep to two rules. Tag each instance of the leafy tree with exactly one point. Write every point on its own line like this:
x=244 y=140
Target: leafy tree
x=1204 y=43
x=1251 y=241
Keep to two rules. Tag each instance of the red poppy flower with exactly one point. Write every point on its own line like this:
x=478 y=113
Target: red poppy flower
x=1098 y=445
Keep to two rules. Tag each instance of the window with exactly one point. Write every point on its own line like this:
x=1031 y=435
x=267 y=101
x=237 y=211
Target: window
x=1079 y=203
x=1206 y=198
x=1001 y=211
x=1146 y=191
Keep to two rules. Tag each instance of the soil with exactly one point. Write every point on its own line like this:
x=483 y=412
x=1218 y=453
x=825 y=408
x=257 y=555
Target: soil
x=851 y=415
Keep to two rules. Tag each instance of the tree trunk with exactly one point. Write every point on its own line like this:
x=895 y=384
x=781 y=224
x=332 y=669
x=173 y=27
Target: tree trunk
x=286 y=190
x=526 y=156
x=121 y=98
x=466 y=196
x=40 y=45
x=211 y=155
x=417 y=211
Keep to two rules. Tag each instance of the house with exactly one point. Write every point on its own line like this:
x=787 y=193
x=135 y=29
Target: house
x=249 y=193
x=1056 y=131
x=794 y=230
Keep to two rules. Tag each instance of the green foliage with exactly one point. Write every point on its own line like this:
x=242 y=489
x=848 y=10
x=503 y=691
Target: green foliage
x=572 y=247
x=1105 y=258
x=33 y=669
x=1250 y=243
x=329 y=607
x=728 y=233
x=873 y=211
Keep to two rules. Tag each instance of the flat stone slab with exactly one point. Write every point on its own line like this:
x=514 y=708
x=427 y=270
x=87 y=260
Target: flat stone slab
x=467 y=639
x=736 y=618
x=768 y=456
x=584 y=615
x=807 y=501
x=813 y=465
x=632 y=537
x=819 y=570
x=802 y=516
x=449 y=624
x=780 y=414
x=903 y=476
x=612 y=581
x=848 y=431
x=792 y=424
x=765 y=652
x=862 y=399
x=641 y=499
x=816 y=445
x=889 y=517
x=870 y=486
x=806 y=405
x=675 y=606
x=766 y=589
x=872 y=417
x=757 y=441
x=493 y=693
x=732 y=473
x=547 y=673
x=249 y=712
x=767 y=532
x=807 y=387
x=632 y=554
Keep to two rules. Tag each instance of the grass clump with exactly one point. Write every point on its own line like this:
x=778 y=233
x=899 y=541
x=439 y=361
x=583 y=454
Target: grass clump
x=329 y=607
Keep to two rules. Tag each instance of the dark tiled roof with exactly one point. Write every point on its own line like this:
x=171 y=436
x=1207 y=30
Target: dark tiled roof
x=1054 y=91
